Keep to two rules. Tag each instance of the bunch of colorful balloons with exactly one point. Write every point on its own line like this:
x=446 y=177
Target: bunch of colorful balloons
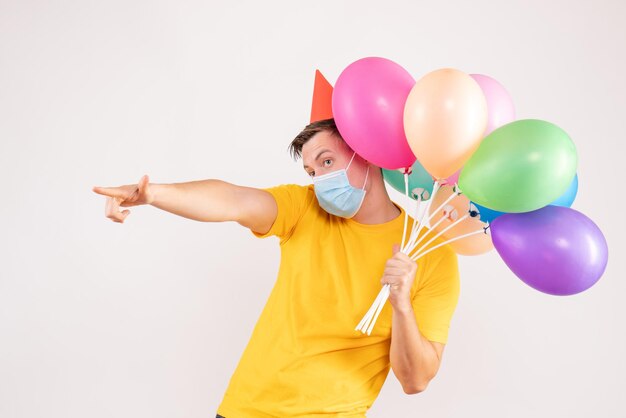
x=450 y=140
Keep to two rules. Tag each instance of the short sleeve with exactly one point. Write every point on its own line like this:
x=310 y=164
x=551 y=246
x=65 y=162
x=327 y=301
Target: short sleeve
x=292 y=201
x=436 y=298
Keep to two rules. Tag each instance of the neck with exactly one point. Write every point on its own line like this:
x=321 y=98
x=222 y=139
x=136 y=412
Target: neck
x=377 y=207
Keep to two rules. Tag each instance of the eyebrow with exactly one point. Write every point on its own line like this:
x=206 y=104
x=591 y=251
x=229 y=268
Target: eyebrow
x=318 y=156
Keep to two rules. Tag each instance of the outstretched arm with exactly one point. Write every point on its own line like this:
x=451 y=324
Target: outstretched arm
x=218 y=201
x=209 y=200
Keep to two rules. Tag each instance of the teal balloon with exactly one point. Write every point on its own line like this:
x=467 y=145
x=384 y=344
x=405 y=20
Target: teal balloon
x=565 y=200
x=520 y=167
x=420 y=181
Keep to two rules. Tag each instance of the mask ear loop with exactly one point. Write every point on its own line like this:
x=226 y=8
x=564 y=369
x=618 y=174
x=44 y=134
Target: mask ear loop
x=363 y=189
x=366 y=173
x=350 y=161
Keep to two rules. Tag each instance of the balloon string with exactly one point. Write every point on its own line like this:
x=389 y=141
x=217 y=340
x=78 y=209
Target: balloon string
x=443 y=218
x=380 y=299
x=452 y=196
x=370 y=316
x=414 y=225
x=406 y=212
x=369 y=319
x=370 y=312
x=380 y=308
x=419 y=201
x=414 y=244
x=480 y=231
x=443 y=231
x=415 y=239
x=367 y=323
x=411 y=242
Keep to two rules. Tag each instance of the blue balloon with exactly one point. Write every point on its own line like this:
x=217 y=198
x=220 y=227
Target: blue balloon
x=565 y=200
x=486 y=214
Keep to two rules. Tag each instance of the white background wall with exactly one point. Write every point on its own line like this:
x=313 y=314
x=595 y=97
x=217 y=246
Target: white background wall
x=149 y=318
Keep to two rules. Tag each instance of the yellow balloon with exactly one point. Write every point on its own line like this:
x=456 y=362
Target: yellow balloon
x=445 y=117
x=472 y=245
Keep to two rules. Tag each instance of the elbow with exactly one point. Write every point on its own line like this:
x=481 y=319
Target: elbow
x=414 y=389
x=414 y=383
x=415 y=386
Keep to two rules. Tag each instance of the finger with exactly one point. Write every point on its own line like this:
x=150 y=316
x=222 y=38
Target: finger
x=393 y=284
x=395 y=269
x=401 y=255
x=395 y=248
x=402 y=258
x=109 y=191
x=396 y=272
x=107 y=208
x=112 y=210
x=394 y=278
x=394 y=262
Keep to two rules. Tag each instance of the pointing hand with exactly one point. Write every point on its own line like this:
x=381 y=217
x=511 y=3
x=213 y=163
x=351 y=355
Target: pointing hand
x=125 y=196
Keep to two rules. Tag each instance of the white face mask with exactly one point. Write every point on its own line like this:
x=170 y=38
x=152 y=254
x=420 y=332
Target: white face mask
x=336 y=195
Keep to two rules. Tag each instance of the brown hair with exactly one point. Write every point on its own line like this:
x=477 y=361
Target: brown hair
x=295 y=148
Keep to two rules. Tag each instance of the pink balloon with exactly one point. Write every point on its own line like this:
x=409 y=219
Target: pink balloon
x=500 y=109
x=368 y=107
x=453 y=179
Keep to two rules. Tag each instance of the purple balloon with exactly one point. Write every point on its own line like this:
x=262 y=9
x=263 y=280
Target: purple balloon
x=555 y=249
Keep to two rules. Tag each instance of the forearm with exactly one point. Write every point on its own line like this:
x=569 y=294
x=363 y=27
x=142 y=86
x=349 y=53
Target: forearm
x=413 y=358
x=209 y=200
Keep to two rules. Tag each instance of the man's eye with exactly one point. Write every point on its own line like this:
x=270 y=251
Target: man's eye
x=327 y=160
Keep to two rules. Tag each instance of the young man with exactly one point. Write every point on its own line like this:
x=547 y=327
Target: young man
x=339 y=243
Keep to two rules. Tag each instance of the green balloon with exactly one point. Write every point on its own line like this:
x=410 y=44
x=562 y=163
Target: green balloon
x=519 y=167
x=420 y=181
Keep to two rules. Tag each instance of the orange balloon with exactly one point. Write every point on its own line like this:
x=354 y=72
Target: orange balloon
x=453 y=210
x=445 y=117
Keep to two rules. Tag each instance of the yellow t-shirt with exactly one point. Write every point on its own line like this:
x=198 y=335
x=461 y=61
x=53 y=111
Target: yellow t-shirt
x=305 y=358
